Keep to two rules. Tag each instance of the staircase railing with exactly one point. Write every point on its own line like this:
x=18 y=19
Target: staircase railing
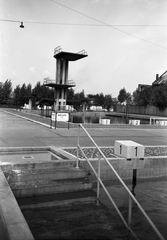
x=99 y=182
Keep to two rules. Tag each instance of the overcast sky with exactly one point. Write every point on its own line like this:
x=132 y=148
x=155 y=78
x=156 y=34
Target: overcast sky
x=116 y=59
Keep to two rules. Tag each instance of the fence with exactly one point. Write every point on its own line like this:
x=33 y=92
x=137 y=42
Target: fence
x=150 y=110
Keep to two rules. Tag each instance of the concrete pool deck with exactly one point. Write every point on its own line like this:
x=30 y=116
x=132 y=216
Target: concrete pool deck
x=9 y=206
x=35 y=131
x=11 y=158
x=22 y=135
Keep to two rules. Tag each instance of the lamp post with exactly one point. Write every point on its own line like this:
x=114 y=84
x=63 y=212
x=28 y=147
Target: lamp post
x=21 y=25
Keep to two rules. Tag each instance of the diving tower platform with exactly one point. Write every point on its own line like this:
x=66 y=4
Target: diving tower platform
x=61 y=82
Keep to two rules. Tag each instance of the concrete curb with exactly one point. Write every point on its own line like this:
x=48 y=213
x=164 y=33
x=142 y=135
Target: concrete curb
x=60 y=203
x=13 y=222
x=28 y=119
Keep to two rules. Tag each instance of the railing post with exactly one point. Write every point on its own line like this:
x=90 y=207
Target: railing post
x=98 y=174
x=51 y=122
x=130 y=211
x=77 y=165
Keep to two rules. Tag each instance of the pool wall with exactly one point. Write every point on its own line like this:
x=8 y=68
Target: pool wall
x=150 y=167
x=13 y=225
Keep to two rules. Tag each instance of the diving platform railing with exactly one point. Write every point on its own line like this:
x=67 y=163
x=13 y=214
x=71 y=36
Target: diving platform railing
x=57 y=50
x=82 y=52
x=52 y=81
x=99 y=182
x=48 y=80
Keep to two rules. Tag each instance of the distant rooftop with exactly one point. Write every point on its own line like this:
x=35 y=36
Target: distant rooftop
x=58 y=53
x=142 y=86
x=160 y=80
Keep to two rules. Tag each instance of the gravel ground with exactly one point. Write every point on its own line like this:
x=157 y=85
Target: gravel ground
x=45 y=183
x=156 y=151
x=108 y=152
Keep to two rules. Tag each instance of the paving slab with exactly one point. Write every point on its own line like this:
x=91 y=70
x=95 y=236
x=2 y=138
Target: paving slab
x=35 y=132
x=17 y=132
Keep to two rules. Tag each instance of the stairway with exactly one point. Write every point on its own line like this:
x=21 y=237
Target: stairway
x=50 y=185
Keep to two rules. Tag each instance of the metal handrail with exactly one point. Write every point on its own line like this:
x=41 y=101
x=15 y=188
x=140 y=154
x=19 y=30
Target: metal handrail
x=131 y=196
x=49 y=81
x=70 y=82
x=57 y=50
x=83 y=52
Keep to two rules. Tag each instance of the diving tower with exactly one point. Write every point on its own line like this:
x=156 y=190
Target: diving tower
x=61 y=82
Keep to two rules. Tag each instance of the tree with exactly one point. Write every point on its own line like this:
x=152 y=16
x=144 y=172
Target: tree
x=98 y=99
x=79 y=96
x=159 y=96
x=37 y=92
x=16 y=96
x=101 y=99
x=78 y=103
x=108 y=102
x=128 y=98
x=23 y=95
x=151 y=96
x=122 y=96
x=148 y=96
x=143 y=97
x=82 y=95
x=5 y=92
x=70 y=94
x=1 y=93
x=29 y=89
x=41 y=91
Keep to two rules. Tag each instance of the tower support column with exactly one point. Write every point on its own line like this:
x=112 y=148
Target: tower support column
x=66 y=71
x=58 y=70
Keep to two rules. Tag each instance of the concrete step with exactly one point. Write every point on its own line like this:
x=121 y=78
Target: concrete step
x=42 y=187
x=57 y=199
x=38 y=165
x=45 y=174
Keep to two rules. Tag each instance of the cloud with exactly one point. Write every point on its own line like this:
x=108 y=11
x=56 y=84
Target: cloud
x=96 y=1
x=126 y=2
x=13 y=73
x=46 y=73
x=102 y=1
x=154 y=4
x=31 y=69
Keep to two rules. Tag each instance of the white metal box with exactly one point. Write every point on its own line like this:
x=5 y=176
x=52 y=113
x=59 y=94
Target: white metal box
x=161 y=123
x=134 y=122
x=129 y=149
x=104 y=121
